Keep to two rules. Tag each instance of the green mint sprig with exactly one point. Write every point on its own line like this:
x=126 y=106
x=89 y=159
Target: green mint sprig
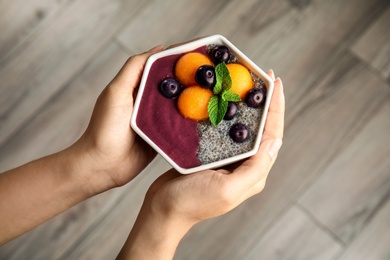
x=218 y=104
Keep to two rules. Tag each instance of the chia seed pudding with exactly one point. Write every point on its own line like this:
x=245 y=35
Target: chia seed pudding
x=187 y=142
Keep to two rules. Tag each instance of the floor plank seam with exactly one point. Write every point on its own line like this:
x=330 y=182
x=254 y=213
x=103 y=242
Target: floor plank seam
x=320 y=225
x=123 y=47
x=284 y=210
x=205 y=21
x=338 y=55
x=126 y=190
x=54 y=96
x=346 y=140
x=90 y=230
x=38 y=30
x=352 y=36
x=126 y=22
x=370 y=68
x=369 y=219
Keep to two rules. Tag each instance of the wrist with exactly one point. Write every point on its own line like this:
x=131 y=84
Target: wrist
x=155 y=235
x=84 y=172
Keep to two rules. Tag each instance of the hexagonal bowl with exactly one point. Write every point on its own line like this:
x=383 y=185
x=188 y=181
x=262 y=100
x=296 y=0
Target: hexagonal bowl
x=144 y=87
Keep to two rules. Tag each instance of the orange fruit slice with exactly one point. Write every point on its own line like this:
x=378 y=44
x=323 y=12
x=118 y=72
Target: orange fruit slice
x=193 y=102
x=241 y=79
x=187 y=65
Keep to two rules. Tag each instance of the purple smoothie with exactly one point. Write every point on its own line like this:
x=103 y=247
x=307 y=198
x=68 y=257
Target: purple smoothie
x=159 y=118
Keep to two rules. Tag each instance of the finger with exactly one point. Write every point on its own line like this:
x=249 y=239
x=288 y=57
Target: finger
x=271 y=74
x=257 y=167
x=274 y=125
x=130 y=74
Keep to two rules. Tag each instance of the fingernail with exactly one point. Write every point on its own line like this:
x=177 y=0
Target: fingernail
x=156 y=48
x=280 y=80
x=274 y=147
x=272 y=73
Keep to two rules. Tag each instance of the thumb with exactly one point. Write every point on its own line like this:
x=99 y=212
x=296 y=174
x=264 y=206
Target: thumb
x=128 y=78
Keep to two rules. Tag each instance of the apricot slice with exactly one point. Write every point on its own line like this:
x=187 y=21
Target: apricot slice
x=193 y=102
x=241 y=79
x=187 y=65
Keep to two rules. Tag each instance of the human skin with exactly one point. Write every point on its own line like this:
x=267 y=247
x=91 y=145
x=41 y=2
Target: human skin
x=109 y=154
x=175 y=203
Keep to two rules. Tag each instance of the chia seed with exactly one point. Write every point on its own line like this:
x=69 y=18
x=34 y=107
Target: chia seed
x=215 y=143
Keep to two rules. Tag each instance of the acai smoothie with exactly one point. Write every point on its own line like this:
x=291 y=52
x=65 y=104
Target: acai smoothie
x=201 y=106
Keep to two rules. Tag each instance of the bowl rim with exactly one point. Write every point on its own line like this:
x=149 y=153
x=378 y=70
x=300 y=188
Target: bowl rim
x=187 y=47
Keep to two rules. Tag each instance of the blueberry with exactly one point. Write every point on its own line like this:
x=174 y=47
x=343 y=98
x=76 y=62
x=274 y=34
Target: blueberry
x=170 y=87
x=205 y=76
x=220 y=54
x=231 y=111
x=239 y=133
x=255 y=97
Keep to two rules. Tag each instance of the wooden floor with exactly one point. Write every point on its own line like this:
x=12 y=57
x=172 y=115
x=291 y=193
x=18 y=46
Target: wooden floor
x=328 y=195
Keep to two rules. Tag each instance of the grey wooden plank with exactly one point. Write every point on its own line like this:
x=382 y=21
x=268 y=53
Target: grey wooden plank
x=373 y=242
x=294 y=236
x=62 y=120
x=333 y=113
x=107 y=237
x=64 y=117
x=293 y=41
x=318 y=122
x=30 y=15
x=374 y=45
x=169 y=22
x=352 y=188
x=37 y=71
x=300 y=45
x=303 y=45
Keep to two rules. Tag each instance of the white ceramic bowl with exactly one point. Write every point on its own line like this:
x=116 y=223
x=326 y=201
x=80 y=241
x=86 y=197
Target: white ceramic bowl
x=187 y=47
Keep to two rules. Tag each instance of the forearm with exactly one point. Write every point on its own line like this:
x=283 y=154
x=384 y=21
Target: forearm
x=37 y=191
x=154 y=236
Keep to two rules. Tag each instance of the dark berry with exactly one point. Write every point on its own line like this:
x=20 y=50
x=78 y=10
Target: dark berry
x=231 y=111
x=220 y=54
x=170 y=87
x=205 y=76
x=255 y=97
x=239 y=133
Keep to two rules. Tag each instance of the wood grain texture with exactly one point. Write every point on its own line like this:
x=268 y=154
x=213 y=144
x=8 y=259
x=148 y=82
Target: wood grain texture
x=105 y=239
x=30 y=15
x=373 y=242
x=374 y=45
x=334 y=99
x=63 y=120
x=178 y=21
x=358 y=180
x=325 y=126
x=39 y=70
x=294 y=236
x=64 y=116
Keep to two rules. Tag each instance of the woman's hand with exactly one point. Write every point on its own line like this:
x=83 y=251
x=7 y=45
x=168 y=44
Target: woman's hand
x=210 y=193
x=108 y=155
x=175 y=202
x=110 y=151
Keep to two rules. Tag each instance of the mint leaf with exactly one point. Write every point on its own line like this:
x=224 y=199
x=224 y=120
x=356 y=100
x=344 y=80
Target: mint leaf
x=218 y=104
x=227 y=95
x=222 y=108
x=218 y=81
x=223 y=80
x=212 y=109
x=217 y=108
